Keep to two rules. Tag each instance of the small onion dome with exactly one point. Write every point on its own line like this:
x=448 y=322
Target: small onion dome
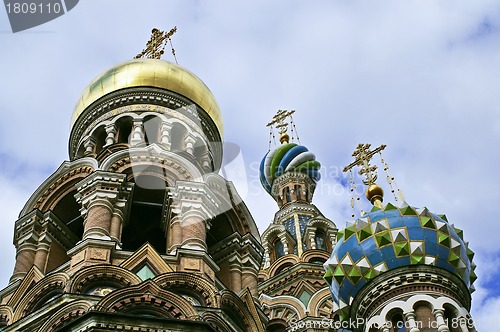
x=390 y=238
x=288 y=157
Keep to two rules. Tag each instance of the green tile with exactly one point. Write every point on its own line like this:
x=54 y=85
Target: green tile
x=443 y=239
x=427 y=222
x=383 y=239
x=417 y=259
x=453 y=259
x=339 y=275
x=401 y=249
x=364 y=233
x=407 y=211
x=354 y=275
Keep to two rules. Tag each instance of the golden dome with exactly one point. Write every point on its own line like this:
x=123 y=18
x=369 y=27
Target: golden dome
x=154 y=73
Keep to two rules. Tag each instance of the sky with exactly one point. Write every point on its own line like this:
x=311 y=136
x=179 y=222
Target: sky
x=421 y=76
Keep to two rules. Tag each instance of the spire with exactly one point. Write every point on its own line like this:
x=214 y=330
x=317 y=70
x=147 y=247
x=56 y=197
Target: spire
x=362 y=157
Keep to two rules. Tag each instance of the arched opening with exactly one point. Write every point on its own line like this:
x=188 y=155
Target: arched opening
x=221 y=229
x=320 y=239
x=450 y=316
x=398 y=323
x=286 y=194
x=298 y=192
x=151 y=126
x=424 y=316
x=276 y=325
x=145 y=221
x=279 y=249
x=100 y=139
x=178 y=136
x=317 y=260
x=124 y=127
x=282 y=268
x=68 y=211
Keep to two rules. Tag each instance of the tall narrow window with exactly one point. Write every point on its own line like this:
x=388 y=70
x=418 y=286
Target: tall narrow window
x=288 y=198
x=398 y=324
x=298 y=192
x=320 y=240
x=279 y=249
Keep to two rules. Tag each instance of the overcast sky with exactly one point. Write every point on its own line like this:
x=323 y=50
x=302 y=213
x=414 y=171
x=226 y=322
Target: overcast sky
x=421 y=76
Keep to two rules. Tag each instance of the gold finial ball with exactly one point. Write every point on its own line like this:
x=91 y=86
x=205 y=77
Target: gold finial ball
x=284 y=139
x=374 y=192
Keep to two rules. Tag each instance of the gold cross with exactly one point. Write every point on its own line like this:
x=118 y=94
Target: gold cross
x=279 y=118
x=156 y=45
x=362 y=156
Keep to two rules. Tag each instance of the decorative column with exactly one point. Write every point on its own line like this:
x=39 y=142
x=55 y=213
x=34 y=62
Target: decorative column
x=98 y=194
x=235 y=271
x=189 y=141
x=89 y=146
x=137 y=136
x=195 y=205
x=441 y=324
x=42 y=252
x=463 y=324
x=110 y=135
x=410 y=318
x=165 y=134
x=312 y=239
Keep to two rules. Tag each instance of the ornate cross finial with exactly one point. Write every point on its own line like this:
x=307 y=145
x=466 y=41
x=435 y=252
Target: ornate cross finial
x=362 y=156
x=156 y=45
x=279 y=121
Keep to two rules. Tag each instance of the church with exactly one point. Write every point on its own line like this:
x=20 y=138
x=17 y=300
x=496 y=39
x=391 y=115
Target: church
x=138 y=231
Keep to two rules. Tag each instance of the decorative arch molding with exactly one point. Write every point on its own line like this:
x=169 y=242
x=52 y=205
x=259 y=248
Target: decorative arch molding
x=281 y=303
x=176 y=166
x=271 y=231
x=148 y=296
x=320 y=222
x=317 y=299
x=232 y=303
x=6 y=315
x=66 y=314
x=314 y=253
x=69 y=173
x=241 y=218
x=101 y=273
x=195 y=283
x=287 y=259
x=216 y=321
x=50 y=284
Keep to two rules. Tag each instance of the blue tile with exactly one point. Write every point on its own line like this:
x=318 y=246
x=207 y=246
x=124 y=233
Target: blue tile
x=375 y=257
x=369 y=245
x=397 y=222
x=429 y=235
x=416 y=233
x=387 y=253
x=356 y=253
x=431 y=248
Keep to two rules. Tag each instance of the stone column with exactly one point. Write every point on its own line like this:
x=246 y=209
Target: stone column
x=189 y=142
x=100 y=194
x=89 y=146
x=175 y=234
x=165 y=134
x=110 y=135
x=312 y=239
x=195 y=205
x=42 y=252
x=441 y=324
x=410 y=318
x=463 y=324
x=137 y=136
x=250 y=280
x=25 y=257
x=235 y=271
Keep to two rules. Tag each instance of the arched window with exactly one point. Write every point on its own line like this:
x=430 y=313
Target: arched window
x=398 y=323
x=287 y=195
x=177 y=137
x=298 y=192
x=279 y=249
x=145 y=222
x=124 y=127
x=320 y=238
x=151 y=126
x=424 y=316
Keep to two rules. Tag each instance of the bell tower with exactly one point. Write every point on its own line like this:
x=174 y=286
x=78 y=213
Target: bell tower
x=138 y=229
x=299 y=239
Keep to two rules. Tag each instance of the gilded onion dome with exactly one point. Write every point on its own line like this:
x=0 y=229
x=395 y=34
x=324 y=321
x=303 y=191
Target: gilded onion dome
x=285 y=158
x=145 y=72
x=390 y=238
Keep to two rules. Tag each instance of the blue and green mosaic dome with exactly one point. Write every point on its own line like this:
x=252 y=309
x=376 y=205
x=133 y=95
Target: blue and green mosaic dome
x=387 y=239
x=287 y=158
